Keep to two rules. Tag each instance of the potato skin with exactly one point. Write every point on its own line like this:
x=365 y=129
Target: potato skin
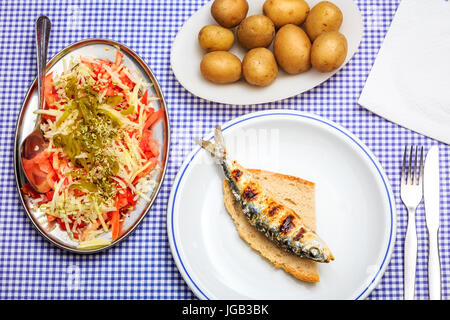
x=221 y=67
x=255 y=31
x=215 y=38
x=229 y=13
x=283 y=12
x=324 y=16
x=259 y=67
x=329 y=51
x=292 y=49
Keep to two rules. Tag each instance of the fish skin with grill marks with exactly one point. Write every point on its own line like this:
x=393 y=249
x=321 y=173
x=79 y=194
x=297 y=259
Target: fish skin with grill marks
x=279 y=223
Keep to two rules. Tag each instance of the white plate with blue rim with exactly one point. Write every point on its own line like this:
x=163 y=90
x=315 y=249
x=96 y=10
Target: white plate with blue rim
x=186 y=55
x=355 y=211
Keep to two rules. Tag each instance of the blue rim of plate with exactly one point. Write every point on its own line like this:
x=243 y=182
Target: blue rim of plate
x=171 y=205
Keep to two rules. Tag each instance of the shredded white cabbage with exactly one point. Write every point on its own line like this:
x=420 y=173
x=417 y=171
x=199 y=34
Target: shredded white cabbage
x=81 y=204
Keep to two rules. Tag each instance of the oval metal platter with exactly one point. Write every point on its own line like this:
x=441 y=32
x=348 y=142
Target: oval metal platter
x=104 y=49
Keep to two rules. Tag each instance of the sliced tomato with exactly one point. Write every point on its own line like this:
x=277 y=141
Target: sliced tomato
x=123 y=200
x=29 y=191
x=62 y=225
x=48 y=117
x=81 y=225
x=143 y=144
x=112 y=91
x=50 y=194
x=40 y=171
x=125 y=80
x=151 y=166
x=153 y=118
x=108 y=215
x=78 y=193
x=126 y=199
x=153 y=147
x=95 y=67
x=131 y=132
x=44 y=164
x=94 y=226
x=130 y=197
x=37 y=177
x=50 y=94
x=148 y=145
x=47 y=197
x=115 y=221
x=144 y=98
x=119 y=56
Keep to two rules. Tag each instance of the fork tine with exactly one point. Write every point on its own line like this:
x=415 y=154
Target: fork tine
x=403 y=178
x=421 y=166
x=416 y=168
x=410 y=176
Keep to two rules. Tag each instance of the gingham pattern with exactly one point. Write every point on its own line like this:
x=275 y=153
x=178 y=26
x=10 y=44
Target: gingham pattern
x=142 y=267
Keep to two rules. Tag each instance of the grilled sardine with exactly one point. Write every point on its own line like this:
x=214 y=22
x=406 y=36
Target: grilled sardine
x=277 y=222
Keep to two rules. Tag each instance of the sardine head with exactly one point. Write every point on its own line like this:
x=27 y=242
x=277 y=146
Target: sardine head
x=318 y=251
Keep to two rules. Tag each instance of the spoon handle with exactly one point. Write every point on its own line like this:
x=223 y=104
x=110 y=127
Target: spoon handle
x=43 y=26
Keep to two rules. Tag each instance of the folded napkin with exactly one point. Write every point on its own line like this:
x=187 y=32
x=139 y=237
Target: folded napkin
x=409 y=83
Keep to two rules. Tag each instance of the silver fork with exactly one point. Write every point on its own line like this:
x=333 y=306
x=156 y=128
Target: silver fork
x=411 y=190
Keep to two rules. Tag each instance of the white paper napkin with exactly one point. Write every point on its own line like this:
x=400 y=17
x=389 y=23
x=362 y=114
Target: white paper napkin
x=409 y=83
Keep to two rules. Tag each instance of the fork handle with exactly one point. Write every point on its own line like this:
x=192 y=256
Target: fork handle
x=410 y=256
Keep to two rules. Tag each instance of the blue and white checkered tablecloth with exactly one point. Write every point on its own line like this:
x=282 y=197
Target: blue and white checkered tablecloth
x=142 y=267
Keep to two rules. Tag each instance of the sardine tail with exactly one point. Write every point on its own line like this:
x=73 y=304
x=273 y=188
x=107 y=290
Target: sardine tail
x=218 y=137
x=216 y=149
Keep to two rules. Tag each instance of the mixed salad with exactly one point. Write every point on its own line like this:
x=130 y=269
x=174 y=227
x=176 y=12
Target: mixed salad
x=101 y=156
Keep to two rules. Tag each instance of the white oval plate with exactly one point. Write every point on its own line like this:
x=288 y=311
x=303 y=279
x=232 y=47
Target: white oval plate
x=186 y=56
x=355 y=211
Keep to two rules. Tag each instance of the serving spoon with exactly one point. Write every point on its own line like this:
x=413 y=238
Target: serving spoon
x=35 y=143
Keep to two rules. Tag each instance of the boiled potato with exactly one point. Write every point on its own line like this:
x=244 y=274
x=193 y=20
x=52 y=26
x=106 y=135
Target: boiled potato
x=329 y=51
x=221 y=67
x=292 y=49
x=324 y=16
x=229 y=13
x=283 y=12
x=215 y=38
x=259 y=67
x=255 y=31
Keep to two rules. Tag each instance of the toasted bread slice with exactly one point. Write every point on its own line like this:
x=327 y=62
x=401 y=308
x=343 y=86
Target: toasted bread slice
x=292 y=192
